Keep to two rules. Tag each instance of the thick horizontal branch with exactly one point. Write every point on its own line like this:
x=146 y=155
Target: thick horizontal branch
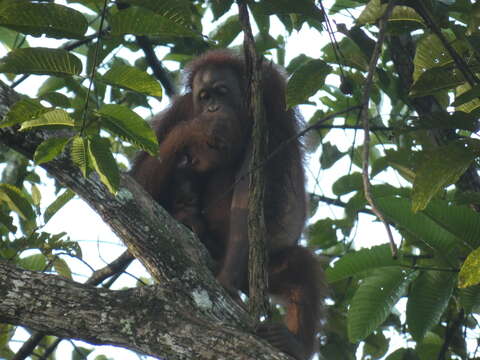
x=141 y=319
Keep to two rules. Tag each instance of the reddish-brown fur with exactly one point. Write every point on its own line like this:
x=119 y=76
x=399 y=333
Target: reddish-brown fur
x=204 y=151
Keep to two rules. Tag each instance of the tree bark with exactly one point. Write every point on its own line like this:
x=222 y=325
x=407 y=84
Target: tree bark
x=187 y=316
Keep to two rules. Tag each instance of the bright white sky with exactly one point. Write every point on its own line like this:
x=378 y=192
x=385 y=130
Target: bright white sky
x=100 y=246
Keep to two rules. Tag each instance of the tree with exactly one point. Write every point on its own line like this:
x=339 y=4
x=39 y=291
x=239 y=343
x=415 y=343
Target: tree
x=403 y=74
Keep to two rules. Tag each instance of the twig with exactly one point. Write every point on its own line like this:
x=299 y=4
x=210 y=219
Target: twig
x=337 y=202
x=257 y=264
x=366 y=126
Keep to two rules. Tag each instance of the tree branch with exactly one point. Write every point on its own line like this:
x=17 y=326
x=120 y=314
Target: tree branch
x=367 y=186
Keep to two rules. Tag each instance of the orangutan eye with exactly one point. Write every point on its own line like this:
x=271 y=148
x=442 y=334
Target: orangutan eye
x=203 y=95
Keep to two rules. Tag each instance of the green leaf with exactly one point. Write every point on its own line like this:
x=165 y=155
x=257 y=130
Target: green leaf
x=352 y=55
x=7 y=221
x=56 y=117
x=330 y=155
x=41 y=61
x=49 y=149
x=22 y=110
x=438 y=168
x=62 y=268
x=36 y=195
x=428 y=299
x=36 y=262
x=470 y=271
x=461 y=221
x=104 y=163
x=374 y=300
x=322 y=234
x=226 y=32
x=472 y=93
x=57 y=99
x=470 y=298
x=79 y=153
x=178 y=11
x=43 y=18
x=356 y=263
x=372 y=12
x=403 y=354
x=17 y=201
x=303 y=7
x=420 y=226
x=347 y=184
x=129 y=126
x=306 y=81
x=140 y=21
x=132 y=78
x=57 y=204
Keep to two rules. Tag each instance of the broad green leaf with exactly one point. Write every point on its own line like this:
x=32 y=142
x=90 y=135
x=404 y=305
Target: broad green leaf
x=322 y=234
x=79 y=153
x=347 y=184
x=376 y=346
x=428 y=298
x=140 y=21
x=470 y=271
x=36 y=262
x=43 y=18
x=41 y=61
x=306 y=81
x=330 y=155
x=353 y=264
x=226 y=32
x=461 y=221
x=435 y=80
x=434 y=68
x=352 y=55
x=430 y=347
x=420 y=226
x=56 y=117
x=7 y=221
x=342 y=5
x=49 y=149
x=403 y=354
x=57 y=99
x=472 y=93
x=11 y=39
x=62 y=268
x=56 y=205
x=81 y=353
x=132 y=78
x=36 y=195
x=374 y=300
x=438 y=168
x=372 y=12
x=470 y=298
x=178 y=11
x=25 y=109
x=16 y=201
x=303 y=7
x=430 y=53
x=129 y=126
x=104 y=163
